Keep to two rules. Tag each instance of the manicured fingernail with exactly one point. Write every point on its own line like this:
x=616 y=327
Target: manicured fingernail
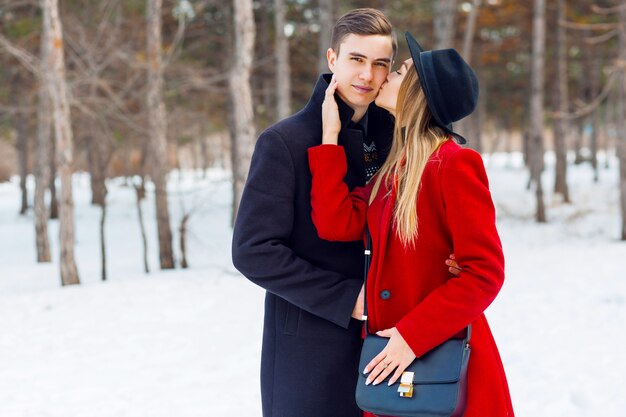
x=365 y=371
x=367 y=382
x=376 y=383
x=389 y=383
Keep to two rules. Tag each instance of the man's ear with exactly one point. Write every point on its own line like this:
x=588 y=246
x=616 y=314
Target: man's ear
x=331 y=57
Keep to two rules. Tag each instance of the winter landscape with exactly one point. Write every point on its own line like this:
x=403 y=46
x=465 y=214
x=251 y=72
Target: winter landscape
x=187 y=342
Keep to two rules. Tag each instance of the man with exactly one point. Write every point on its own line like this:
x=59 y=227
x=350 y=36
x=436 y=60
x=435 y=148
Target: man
x=314 y=300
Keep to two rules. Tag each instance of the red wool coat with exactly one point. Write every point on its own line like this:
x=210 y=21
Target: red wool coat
x=411 y=288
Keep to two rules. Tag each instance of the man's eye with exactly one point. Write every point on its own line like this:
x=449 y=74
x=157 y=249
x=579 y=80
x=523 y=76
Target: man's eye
x=381 y=64
x=357 y=59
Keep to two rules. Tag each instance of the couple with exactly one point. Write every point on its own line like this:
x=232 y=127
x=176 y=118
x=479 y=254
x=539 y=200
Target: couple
x=300 y=225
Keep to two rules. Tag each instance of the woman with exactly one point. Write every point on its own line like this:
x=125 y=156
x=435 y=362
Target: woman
x=430 y=198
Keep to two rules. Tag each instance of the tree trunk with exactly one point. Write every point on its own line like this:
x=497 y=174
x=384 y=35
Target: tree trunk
x=444 y=23
x=470 y=127
x=21 y=136
x=42 y=163
x=98 y=161
x=140 y=194
x=157 y=119
x=103 y=252
x=609 y=128
x=560 y=124
x=327 y=21
x=22 y=150
x=183 y=241
x=594 y=74
x=54 y=202
x=55 y=76
x=470 y=30
x=477 y=118
x=621 y=117
x=579 y=138
x=283 y=68
x=536 y=105
x=243 y=136
x=204 y=151
x=265 y=77
x=97 y=168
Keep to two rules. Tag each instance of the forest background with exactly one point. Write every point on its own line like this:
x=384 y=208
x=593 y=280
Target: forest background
x=137 y=88
x=126 y=128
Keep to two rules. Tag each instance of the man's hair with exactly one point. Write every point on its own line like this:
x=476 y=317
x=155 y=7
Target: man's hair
x=363 y=22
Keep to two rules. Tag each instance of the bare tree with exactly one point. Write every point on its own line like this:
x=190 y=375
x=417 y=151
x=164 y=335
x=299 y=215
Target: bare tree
x=243 y=135
x=264 y=79
x=444 y=23
x=471 y=125
x=536 y=105
x=103 y=252
x=52 y=164
x=593 y=65
x=42 y=164
x=618 y=73
x=326 y=22
x=157 y=118
x=45 y=144
x=621 y=114
x=21 y=135
x=57 y=88
x=140 y=193
x=560 y=123
x=470 y=30
x=283 y=68
x=99 y=155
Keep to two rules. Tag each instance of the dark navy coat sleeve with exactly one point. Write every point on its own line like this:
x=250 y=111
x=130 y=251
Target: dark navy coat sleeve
x=263 y=238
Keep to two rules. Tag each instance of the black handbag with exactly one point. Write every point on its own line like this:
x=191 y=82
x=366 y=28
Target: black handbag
x=434 y=385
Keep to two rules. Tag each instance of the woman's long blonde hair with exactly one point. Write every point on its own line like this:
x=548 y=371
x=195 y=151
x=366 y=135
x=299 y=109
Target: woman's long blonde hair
x=409 y=154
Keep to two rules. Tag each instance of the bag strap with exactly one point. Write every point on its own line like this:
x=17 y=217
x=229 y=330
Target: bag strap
x=368 y=260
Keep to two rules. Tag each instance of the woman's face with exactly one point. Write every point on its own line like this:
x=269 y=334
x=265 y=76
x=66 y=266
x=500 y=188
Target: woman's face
x=388 y=94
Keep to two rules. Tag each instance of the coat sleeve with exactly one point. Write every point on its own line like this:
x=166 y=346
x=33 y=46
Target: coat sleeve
x=470 y=215
x=337 y=213
x=262 y=232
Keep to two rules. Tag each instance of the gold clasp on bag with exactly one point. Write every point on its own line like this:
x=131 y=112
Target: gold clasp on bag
x=406 y=385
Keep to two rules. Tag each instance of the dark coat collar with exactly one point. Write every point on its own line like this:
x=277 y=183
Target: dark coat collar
x=317 y=98
x=380 y=122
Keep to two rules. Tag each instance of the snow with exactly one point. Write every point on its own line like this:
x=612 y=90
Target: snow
x=187 y=342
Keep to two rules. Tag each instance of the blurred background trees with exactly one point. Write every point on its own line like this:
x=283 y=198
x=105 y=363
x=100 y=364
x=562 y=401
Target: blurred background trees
x=191 y=86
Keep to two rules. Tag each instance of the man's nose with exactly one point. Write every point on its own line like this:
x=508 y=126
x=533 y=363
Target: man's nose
x=366 y=74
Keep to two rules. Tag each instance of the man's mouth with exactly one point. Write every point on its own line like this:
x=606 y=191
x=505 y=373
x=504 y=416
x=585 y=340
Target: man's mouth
x=363 y=89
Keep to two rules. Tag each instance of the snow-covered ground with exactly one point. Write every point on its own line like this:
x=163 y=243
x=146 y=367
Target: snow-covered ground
x=187 y=342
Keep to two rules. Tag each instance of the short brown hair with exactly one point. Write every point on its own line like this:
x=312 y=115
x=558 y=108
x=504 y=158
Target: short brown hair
x=363 y=22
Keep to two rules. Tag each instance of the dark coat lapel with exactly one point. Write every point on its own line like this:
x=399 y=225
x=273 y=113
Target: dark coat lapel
x=380 y=128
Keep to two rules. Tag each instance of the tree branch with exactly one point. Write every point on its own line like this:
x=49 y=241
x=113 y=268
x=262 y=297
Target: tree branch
x=607 y=10
x=27 y=59
x=588 y=26
x=594 y=40
x=176 y=42
x=591 y=106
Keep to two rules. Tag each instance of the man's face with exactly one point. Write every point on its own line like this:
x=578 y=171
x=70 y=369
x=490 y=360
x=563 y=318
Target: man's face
x=361 y=67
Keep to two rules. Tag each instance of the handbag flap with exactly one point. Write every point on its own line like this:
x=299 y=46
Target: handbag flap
x=440 y=365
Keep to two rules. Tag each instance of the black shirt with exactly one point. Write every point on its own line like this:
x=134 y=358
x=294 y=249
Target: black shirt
x=370 y=153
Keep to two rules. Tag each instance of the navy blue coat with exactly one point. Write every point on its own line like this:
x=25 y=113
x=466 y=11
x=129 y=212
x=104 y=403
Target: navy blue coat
x=311 y=345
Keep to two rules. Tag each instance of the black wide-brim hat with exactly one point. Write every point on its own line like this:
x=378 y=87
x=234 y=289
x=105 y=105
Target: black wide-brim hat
x=449 y=84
